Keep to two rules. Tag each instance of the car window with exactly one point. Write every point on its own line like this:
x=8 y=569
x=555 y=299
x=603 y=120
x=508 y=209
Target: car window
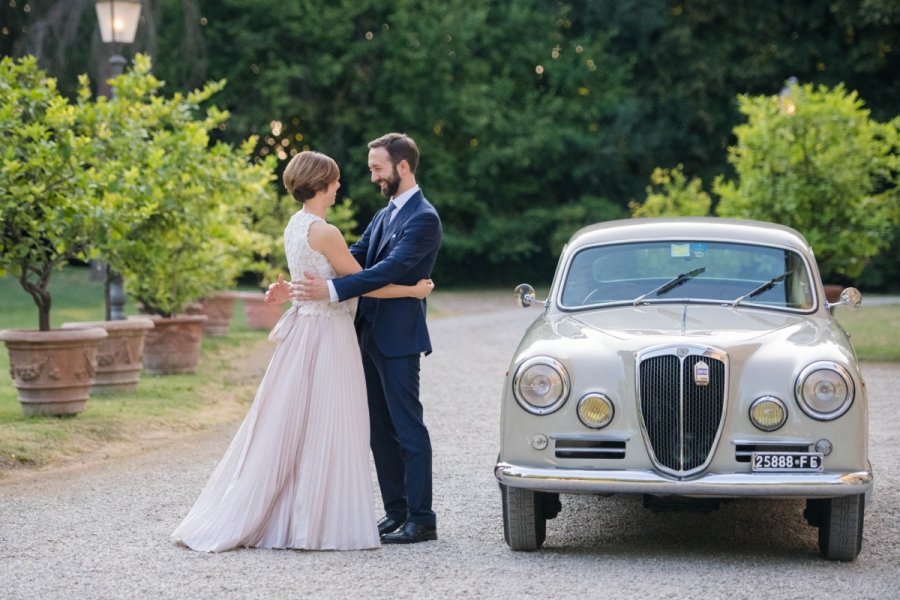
x=709 y=271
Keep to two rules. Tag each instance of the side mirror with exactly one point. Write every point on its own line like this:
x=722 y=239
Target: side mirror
x=524 y=295
x=850 y=297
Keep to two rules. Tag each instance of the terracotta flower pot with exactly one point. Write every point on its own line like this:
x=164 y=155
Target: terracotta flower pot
x=173 y=345
x=219 y=309
x=53 y=370
x=260 y=314
x=120 y=356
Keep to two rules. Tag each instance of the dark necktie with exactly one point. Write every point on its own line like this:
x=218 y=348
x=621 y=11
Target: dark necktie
x=386 y=222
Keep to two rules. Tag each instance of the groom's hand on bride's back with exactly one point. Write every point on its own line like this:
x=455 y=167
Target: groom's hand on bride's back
x=311 y=287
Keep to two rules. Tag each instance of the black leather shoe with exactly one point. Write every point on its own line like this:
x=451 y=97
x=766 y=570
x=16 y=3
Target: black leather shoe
x=388 y=524
x=411 y=533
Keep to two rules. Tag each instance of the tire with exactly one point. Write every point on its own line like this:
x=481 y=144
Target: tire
x=524 y=523
x=841 y=527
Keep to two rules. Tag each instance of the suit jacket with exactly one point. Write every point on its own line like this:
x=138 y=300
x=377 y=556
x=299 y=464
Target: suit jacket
x=402 y=251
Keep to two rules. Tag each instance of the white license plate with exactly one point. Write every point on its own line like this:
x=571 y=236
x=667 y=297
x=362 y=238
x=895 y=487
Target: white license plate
x=781 y=462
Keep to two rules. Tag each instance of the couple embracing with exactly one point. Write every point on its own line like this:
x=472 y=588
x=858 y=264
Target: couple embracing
x=296 y=474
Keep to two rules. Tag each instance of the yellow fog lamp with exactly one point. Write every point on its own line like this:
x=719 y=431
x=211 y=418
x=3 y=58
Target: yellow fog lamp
x=768 y=413
x=596 y=410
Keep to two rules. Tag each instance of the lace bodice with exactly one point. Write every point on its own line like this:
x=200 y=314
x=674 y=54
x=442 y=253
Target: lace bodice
x=301 y=257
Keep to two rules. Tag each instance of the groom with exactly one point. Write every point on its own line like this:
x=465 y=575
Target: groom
x=398 y=246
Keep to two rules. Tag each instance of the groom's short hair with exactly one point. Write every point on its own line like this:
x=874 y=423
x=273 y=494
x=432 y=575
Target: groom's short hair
x=399 y=147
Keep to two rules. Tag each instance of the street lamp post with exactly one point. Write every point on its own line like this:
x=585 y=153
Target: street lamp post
x=785 y=97
x=118 y=21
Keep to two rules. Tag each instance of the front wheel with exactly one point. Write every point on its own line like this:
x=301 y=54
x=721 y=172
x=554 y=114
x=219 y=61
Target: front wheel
x=524 y=519
x=840 y=522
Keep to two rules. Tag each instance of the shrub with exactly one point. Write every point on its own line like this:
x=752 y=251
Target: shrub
x=813 y=159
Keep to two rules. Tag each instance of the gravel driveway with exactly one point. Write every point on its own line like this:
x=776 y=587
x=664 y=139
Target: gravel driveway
x=102 y=532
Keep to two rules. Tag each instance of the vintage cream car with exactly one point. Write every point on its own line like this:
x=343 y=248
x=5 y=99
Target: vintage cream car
x=687 y=360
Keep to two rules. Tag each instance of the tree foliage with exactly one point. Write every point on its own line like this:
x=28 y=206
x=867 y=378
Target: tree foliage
x=133 y=179
x=49 y=202
x=815 y=160
x=687 y=61
x=179 y=210
x=672 y=194
x=504 y=100
x=512 y=157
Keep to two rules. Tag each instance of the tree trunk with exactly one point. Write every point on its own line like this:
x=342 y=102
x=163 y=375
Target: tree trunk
x=39 y=293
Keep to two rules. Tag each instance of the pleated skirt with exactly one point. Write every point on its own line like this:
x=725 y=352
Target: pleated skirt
x=296 y=474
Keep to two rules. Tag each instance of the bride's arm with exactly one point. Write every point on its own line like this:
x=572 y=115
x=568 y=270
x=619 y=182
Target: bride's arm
x=421 y=290
x=328 y=240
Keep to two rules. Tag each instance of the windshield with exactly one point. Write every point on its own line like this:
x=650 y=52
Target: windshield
x=719 y=272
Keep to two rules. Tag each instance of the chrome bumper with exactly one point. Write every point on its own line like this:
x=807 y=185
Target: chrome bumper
x=714 y=485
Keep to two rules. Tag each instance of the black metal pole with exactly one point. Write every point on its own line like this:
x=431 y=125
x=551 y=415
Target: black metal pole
x=114 y=289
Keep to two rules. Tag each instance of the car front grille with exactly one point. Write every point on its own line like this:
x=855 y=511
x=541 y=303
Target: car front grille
x=682 y=402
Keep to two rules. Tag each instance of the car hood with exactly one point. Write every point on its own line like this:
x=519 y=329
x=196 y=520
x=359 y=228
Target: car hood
x=739 y=324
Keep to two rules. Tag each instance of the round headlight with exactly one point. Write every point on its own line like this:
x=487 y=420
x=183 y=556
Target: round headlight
x=595 y=410
x=824 y=390
x=768 y=413
x=541 y=385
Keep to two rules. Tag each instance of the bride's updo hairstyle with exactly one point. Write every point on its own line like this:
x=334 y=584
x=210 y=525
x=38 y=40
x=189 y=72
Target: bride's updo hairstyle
x=309 y=173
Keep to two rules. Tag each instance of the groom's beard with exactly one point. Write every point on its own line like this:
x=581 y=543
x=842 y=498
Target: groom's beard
x=390 y=185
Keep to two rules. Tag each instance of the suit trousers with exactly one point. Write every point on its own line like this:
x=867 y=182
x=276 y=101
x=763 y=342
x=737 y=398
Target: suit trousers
x=399 y=439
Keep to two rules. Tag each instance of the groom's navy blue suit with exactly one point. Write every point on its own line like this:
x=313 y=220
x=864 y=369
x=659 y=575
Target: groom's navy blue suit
x=392 y=335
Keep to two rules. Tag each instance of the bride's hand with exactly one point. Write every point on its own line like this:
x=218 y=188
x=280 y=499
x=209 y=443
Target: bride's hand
x=423 y=288
x=279 y=291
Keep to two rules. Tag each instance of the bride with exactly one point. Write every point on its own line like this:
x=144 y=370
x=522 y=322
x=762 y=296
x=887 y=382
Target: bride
x=296 y=474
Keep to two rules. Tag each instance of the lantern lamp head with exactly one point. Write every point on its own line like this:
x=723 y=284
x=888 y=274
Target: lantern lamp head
x=118 y=20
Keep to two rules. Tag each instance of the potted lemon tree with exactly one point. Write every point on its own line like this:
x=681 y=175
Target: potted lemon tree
x=48 y=210
x=182 y=224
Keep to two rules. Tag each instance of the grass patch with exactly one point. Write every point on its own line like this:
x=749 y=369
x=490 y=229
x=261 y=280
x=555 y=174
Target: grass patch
x=874 y=330
x=75 y=298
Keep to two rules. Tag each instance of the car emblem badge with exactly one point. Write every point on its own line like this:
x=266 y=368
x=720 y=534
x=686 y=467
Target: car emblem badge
x=701 y=373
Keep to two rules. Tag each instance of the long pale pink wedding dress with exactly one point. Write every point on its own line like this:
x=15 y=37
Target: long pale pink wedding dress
x=296 y=474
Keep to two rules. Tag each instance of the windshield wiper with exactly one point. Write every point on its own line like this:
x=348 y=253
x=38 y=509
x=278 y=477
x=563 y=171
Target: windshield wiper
x=763 y=288
x=671 y=284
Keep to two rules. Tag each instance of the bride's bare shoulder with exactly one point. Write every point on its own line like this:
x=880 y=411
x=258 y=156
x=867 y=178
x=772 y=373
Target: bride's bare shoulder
x=322 y=235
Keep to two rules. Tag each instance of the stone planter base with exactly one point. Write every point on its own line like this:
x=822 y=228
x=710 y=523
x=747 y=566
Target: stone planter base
x=173 y=345
x=120 y=356
x=260 y=314
x=53 y=370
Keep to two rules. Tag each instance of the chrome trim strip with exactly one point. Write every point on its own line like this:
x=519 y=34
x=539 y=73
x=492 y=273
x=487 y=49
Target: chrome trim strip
x=581 y=453
x=587 y=437
x=789 y=442
x=611 y=481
